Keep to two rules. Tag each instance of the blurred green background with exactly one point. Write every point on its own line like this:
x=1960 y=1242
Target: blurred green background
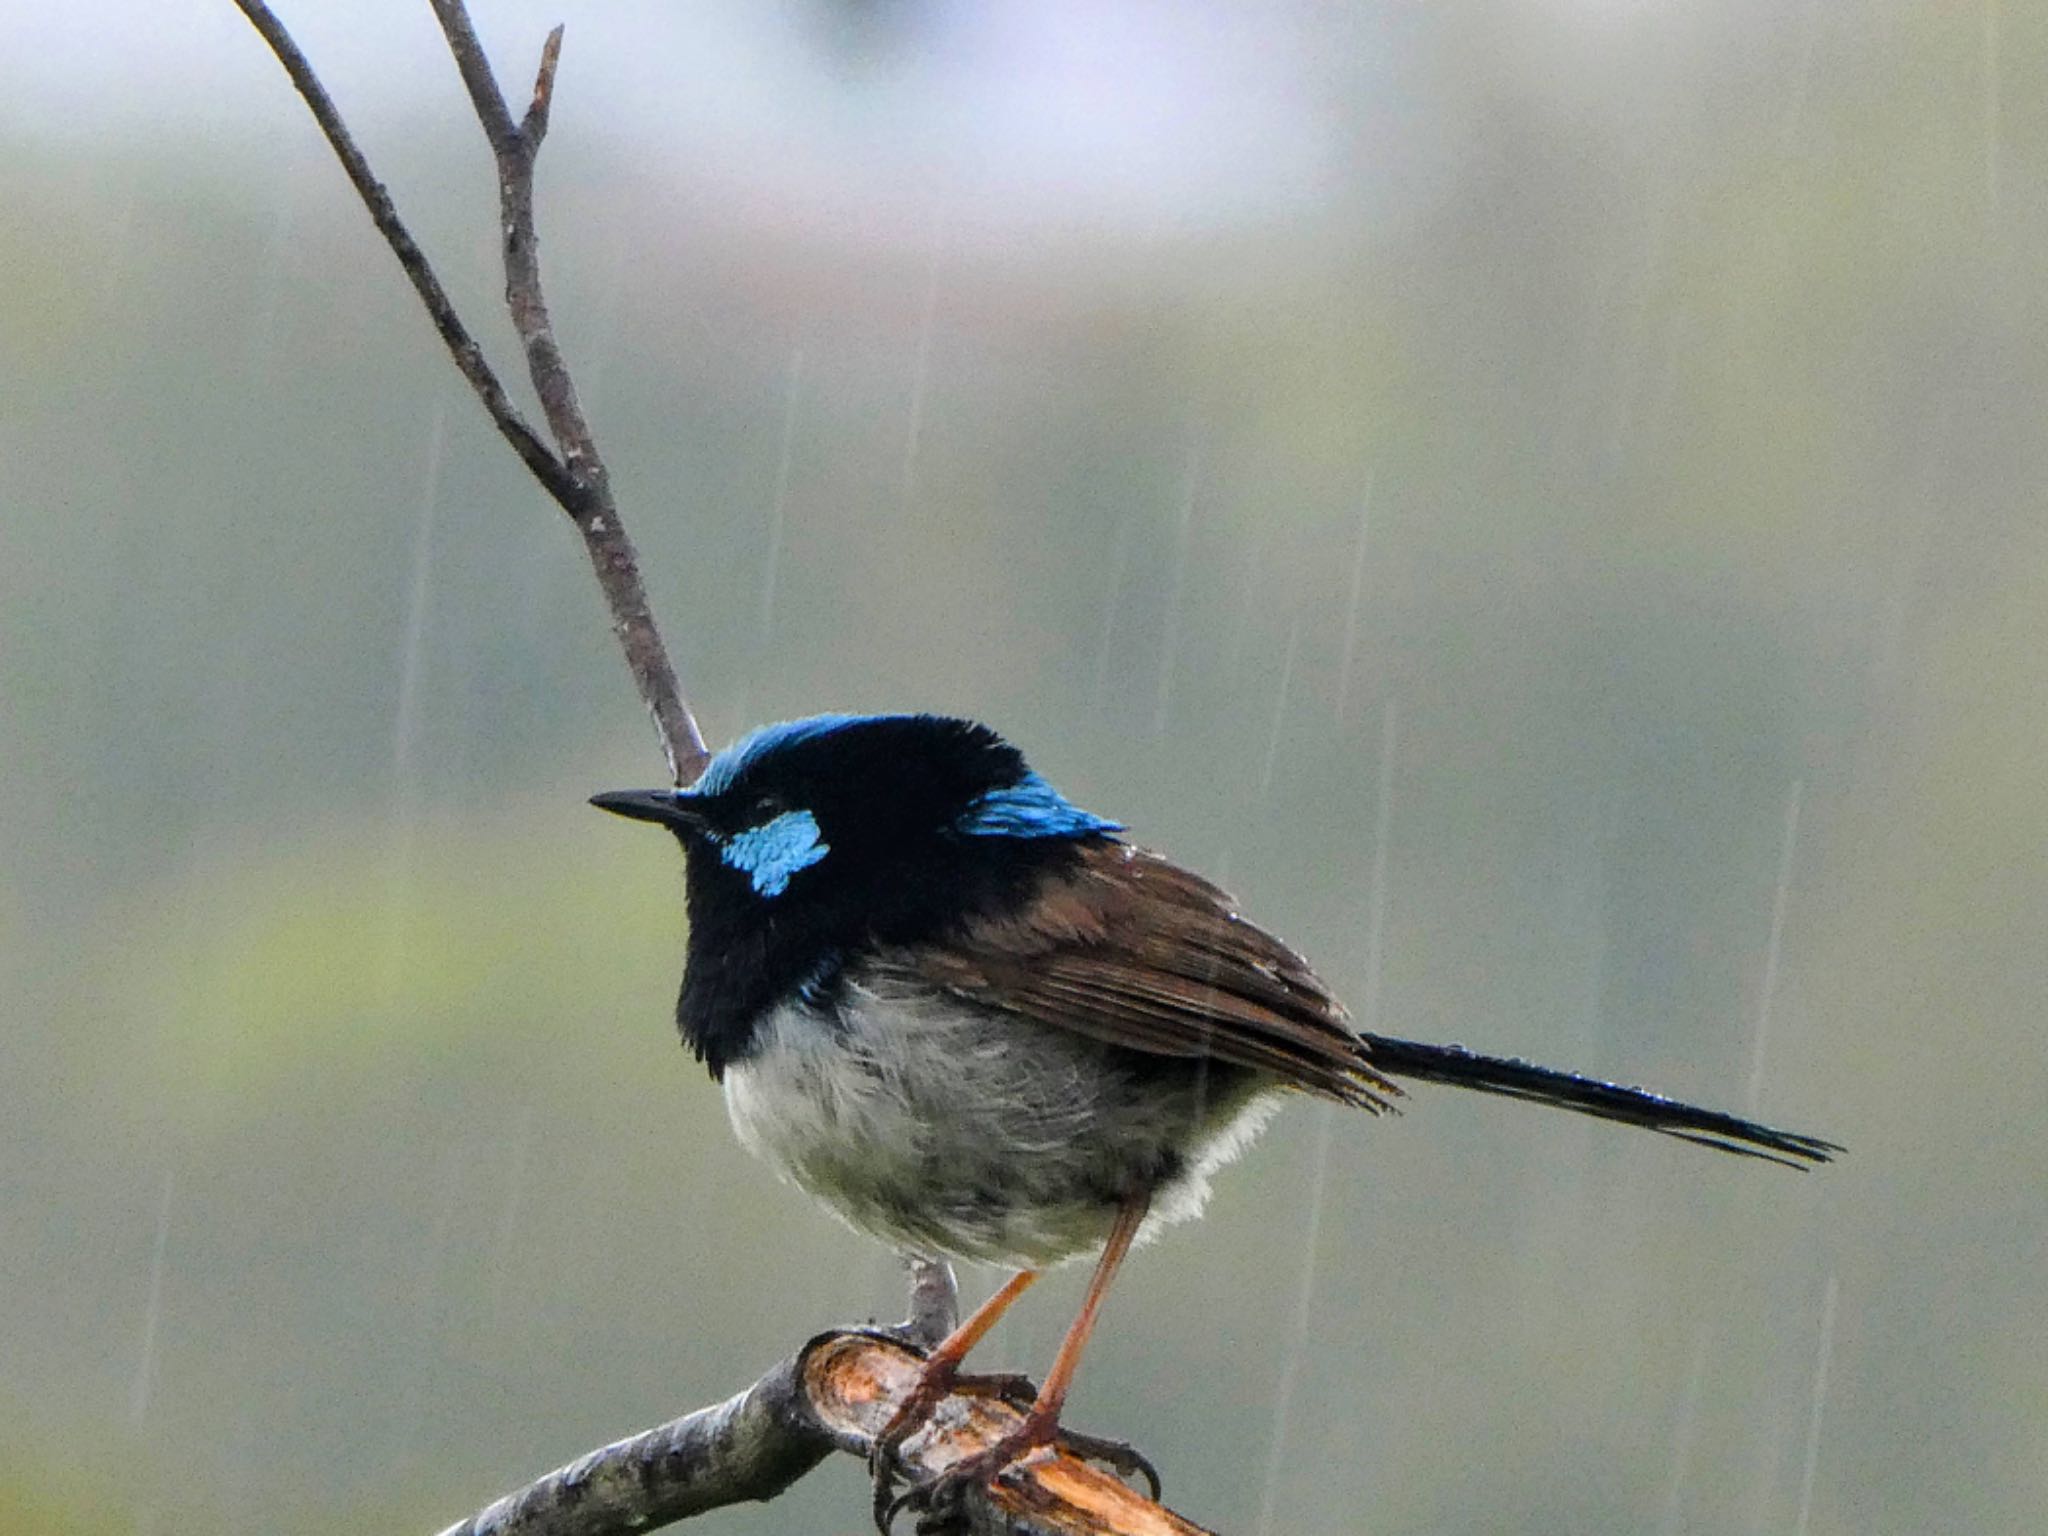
x=1542 y=499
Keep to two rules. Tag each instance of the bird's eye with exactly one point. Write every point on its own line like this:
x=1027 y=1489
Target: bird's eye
x=766 y=806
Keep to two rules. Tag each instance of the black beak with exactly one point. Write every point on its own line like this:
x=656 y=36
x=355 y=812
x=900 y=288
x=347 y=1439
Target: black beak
x=669 y=807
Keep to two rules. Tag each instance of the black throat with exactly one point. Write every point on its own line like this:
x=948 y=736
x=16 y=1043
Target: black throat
x=747 y=957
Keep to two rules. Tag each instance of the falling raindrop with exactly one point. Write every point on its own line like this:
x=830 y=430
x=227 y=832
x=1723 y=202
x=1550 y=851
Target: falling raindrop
x=1356 y=600
x=1991 y=104
x=119 y=244
x=1119 y=563
x=616 y=263
x=785 y=458
x=1249 y=593
x=268 y=297
x=503 y=1244
x=411 y=1410
x=1822 y=1358
x=1683 y=1437
x=921 y=374
x=1632 y=348
x=1802 y=75
x=1279 y=710
x=1786 y=854
x=145 y=1369
x=1376 y=899
x=1304 y=1298
x=1169 y=645
x=405 y=725
x=435 y=1256
x=1589 y=904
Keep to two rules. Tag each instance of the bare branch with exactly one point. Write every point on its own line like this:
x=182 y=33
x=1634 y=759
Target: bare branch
x=934 y=1302
x=756 y=1444
x=576 y=478
x=462 y=346
x=750 y=1447
x=593 y=511
x=835 y=1393
x=534 y=127
x=476 y=73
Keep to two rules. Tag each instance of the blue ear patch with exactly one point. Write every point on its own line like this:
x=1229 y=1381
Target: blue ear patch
x=770 y=853
x=1030 y=808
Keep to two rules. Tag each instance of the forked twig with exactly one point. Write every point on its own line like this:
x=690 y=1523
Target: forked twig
x=573 y=471
x=842 y=1387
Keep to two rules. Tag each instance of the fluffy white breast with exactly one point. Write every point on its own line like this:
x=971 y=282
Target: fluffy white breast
x=947 y=1131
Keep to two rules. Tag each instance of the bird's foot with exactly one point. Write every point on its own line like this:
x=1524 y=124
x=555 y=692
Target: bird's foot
x=1040 y=1432
x=935 y=1383
x=1118 y=1456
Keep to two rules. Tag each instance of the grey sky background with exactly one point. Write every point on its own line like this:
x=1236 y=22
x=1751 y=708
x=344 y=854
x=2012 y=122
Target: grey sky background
x=1542 y=499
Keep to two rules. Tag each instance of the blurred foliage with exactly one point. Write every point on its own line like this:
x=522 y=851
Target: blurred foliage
x=347 y=958
x=29 y=1506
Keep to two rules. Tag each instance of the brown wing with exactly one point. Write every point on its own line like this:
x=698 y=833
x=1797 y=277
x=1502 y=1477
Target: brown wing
x=1138 y=952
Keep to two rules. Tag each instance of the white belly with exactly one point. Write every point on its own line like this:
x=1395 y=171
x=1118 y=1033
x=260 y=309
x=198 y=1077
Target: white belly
x=949 y=1133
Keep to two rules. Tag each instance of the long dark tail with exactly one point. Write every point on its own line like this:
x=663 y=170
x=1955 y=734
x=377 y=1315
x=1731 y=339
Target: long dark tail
x=1589 y=1096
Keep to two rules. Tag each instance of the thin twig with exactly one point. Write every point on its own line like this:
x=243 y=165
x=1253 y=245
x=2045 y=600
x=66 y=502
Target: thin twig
x=577 y=480
x=756 y=1444
x=490 y=107
x=469 y=357
x=934 y=1301
x=534 y=127
x=593 y=511
x=574 y=475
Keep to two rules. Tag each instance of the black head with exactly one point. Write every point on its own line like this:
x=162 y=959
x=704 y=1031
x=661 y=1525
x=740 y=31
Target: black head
x=809 y=839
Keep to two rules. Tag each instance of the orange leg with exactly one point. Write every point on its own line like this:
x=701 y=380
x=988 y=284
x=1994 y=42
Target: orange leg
x=942 y=1366
x=953 y=1348
x=1041 y=1425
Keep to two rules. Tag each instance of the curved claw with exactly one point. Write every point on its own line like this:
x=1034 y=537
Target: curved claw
x=985 y=1467
x=887 y=1509
x=931 y=1388
x=886 y=1506
x=1019 y=1391
x=1120 y=1457
x=980 y=1469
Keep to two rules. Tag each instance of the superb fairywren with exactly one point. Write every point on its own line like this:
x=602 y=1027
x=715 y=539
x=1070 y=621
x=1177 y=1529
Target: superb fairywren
x=977 y=1023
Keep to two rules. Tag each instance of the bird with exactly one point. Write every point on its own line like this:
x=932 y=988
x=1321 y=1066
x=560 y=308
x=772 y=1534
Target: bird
x=979 y=1022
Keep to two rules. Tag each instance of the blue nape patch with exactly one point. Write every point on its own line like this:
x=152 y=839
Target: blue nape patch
x=770 y=853
x=1030 y=808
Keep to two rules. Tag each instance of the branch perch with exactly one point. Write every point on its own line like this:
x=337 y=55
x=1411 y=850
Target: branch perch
x=836 y=1393
x=840 y=1389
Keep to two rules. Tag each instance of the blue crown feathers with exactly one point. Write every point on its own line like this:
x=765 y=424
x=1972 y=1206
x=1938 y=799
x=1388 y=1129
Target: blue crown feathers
x=1029 y=808
x=765 y=741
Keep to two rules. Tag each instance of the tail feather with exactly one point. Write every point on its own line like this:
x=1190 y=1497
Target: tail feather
x=1461 y=1068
